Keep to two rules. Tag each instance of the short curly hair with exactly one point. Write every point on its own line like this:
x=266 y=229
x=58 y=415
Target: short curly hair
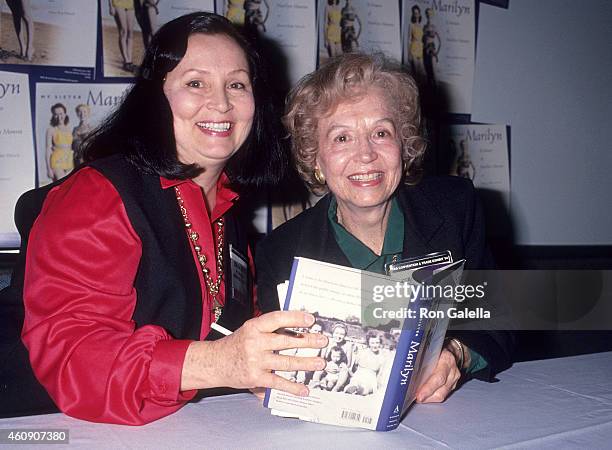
x=349 y=76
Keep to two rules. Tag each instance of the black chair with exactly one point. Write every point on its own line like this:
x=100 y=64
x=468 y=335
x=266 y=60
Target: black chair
x=20 y=392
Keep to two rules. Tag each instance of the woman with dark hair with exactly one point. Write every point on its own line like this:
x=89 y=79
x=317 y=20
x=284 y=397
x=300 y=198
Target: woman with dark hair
x=431 y=48
x=254 y=17
x=148 y=248
x=58 y=150
x=415 y=46
x=367 y=364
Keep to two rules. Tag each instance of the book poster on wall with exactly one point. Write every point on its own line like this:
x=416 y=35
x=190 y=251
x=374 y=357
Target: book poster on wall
x=137 y=21
x=287 y=29
x=16 y=151
x=65 y=114
x=288 y=25
x=439 y=42
x=481 y=154
x=358 y=25
x=48 y=32
x=234 y=10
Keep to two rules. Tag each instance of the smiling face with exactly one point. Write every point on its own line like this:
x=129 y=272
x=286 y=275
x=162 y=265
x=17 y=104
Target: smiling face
x=338 y=334
x=211 y=98
x=82 y=112
x=360 y=153
x=59 y=115
x=374 y=344
x=336 y=356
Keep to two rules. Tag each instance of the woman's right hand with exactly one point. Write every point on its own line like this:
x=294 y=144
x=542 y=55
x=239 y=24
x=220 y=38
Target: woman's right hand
x=246 y=358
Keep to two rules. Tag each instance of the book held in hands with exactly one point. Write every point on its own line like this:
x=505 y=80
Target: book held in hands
x=385 y=336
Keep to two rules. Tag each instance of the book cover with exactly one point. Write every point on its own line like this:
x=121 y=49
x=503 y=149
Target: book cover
x=375 y=348
x=64 y=114
x=16 y=155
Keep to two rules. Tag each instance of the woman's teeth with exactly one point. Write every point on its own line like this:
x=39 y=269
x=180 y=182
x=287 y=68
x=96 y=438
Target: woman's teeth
x=215 y=126
x=366 y=177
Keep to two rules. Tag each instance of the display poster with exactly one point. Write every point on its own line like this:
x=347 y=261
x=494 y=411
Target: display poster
x=439 y=42
x=289 y=25
x=481 y=154
x=49 y=32
x=234 y=10
x=16 y=151
x=358 y=25
x=128 y=25
x=65 y=114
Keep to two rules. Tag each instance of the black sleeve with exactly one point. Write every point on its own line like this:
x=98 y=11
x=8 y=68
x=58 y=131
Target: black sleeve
x=486 y=337
x=267 y=279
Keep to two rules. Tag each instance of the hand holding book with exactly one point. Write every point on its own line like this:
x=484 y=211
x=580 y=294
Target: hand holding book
x=247 y=357
x=377 y=338
x=442 y=381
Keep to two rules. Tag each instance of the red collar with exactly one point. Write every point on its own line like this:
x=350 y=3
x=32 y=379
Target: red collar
x=225 y=195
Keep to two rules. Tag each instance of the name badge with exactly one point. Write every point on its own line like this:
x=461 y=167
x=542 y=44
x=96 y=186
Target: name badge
x=239 y=268
x=413 y=264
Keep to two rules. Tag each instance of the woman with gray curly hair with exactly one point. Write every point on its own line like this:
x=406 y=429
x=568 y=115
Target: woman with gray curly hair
x=354 y=83
x=355 y=125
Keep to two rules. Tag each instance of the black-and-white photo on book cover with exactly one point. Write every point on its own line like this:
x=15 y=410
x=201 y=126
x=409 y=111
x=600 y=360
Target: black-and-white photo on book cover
x=359 y=355
x=358 y=358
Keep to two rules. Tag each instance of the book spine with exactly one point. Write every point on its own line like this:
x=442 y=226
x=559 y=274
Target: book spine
x=401 y=374
x=294 y=267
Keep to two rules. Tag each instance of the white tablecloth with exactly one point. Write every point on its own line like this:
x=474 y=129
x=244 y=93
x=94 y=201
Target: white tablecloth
x=555 y=403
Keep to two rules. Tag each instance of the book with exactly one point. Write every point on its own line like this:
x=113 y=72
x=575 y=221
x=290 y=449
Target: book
x=386 y=333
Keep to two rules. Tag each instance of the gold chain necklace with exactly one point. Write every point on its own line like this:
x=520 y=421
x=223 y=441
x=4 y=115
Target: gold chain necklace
x=212 y=285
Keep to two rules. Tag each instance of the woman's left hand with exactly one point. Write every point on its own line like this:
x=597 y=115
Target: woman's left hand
x=442 y=381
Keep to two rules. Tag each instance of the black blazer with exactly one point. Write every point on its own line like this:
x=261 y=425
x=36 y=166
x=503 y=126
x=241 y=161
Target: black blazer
x=440 y=213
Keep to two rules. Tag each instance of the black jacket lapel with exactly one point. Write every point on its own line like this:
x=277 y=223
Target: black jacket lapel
x=422 y=220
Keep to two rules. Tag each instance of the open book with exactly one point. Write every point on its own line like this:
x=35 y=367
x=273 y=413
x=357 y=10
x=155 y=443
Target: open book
x=385 y=336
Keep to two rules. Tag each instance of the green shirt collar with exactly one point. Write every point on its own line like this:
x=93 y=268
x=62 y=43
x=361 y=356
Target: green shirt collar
x=358 y=254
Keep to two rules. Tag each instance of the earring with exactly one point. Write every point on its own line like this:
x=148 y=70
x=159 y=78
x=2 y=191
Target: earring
x=318 y=175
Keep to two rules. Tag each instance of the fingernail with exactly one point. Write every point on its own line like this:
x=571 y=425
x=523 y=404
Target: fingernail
x=322 y=340
x=304 y=392
x=308 y=319
x=321 y=365
x=288 y=332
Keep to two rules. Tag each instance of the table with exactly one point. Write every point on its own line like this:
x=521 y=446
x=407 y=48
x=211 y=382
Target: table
x=556 y=403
